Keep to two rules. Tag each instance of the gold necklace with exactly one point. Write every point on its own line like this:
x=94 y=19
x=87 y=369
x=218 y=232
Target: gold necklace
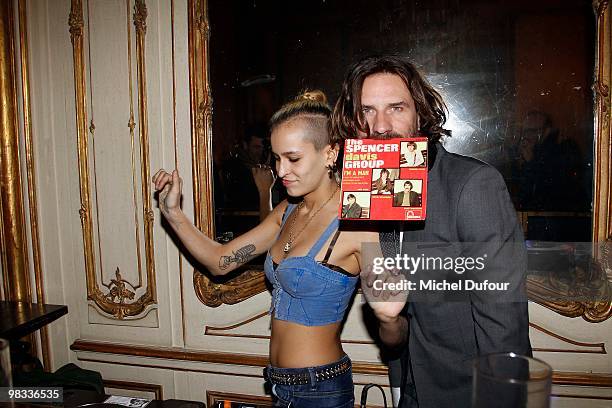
x=289 y=243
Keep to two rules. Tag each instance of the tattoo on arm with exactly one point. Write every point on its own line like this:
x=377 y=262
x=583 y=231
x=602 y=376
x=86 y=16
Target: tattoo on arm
x=241 y=256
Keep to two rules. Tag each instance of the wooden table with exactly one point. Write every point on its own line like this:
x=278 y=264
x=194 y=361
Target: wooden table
x=18 y=319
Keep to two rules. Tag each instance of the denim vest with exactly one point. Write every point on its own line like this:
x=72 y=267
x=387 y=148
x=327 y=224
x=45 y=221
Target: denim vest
x=305 y=291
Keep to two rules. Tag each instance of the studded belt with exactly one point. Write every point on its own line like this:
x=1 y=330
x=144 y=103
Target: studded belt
x=278 y=376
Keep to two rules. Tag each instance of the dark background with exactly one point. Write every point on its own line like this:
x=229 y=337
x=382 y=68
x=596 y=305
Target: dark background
x=493 y=62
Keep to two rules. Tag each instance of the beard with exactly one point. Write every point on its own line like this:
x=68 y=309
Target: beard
x=393 y=134
x=388 y=135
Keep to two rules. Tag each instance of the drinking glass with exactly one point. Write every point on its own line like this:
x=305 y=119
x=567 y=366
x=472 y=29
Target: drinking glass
x=509 y=380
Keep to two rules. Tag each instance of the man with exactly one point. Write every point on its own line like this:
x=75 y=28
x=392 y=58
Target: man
x=469 y=214
x=407 y=198
x=246 y=175
x=547 y=169
x=352 y=209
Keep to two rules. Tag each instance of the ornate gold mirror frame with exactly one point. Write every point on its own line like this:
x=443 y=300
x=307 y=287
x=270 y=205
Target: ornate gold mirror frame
x=596 y=286
x=252 y=282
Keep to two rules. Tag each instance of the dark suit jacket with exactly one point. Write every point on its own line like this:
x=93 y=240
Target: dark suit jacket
x=353 y=211
x=468 y=205
x=415 y=199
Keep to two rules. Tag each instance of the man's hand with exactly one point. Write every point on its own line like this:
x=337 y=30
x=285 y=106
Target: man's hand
x=383 y=293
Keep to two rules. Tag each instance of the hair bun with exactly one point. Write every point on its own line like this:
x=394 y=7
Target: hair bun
x=314 y=95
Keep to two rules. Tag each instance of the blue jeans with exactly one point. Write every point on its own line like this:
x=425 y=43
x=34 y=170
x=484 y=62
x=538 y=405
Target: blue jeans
x=337 y=392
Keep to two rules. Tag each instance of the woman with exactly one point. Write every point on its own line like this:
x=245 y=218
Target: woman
x=413 y=156
x=313 y=273
x=383 y=184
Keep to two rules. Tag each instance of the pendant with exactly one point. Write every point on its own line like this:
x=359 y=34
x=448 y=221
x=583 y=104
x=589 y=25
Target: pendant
x=287 y=247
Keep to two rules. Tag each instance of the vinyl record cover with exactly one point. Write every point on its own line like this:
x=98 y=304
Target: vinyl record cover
x=384 y=179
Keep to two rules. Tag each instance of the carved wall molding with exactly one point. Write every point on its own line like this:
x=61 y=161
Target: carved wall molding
x=584 y=379
x=181 y=354
x=118 y=297
x=201 y=106
x=75 y=21
x=602 y=170
x=14 y=241
x=251 y=282
x=209 y=330
x=592 y=348
x=558 y=377
x=31 y=172
x=174 y=353
x=140 y=16
x=224 y=331
x=600 y=6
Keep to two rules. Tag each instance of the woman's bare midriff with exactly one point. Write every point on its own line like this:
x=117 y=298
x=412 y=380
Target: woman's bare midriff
x=296 y=346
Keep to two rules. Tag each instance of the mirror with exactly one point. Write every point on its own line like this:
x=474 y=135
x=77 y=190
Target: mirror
x=517 y=78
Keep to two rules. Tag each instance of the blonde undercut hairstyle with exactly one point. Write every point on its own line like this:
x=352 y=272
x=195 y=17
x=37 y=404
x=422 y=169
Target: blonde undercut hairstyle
x=312 y=108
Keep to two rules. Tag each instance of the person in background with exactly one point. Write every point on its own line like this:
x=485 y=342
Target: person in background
x=547 y=169
x=246 y=176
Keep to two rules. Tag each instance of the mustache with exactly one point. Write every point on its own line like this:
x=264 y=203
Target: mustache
x=387 y=135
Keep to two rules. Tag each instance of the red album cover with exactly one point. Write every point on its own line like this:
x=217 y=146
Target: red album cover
x=384 y=179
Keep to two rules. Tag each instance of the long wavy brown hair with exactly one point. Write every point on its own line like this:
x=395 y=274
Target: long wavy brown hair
x=347 y=118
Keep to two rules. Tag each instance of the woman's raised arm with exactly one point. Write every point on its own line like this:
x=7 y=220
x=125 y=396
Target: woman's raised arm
x=219 y=259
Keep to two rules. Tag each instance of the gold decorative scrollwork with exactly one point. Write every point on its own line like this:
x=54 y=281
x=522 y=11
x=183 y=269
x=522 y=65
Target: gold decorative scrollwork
x=602 y=101
x=591 y=300
x=245 y=285
x=114 y=302
x=75 y=20
x=600 y=6
x=582 y=288
x=119 y=290
x=149 y=216
x=83 y=215
x=140 y=16
x=201 y=20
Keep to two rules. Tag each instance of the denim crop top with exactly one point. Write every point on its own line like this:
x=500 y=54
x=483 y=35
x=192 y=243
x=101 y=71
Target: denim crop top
x=305 y=291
